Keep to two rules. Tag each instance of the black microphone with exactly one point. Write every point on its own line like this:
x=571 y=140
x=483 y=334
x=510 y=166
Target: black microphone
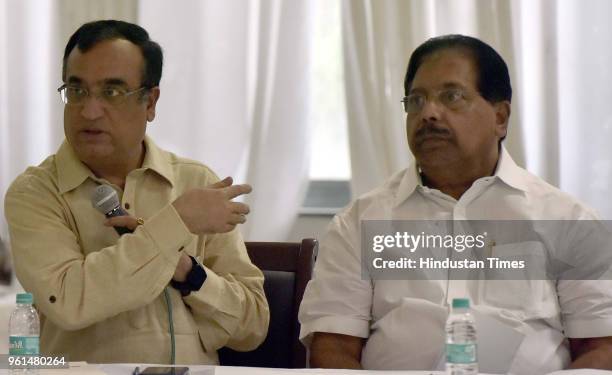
x=106 y=200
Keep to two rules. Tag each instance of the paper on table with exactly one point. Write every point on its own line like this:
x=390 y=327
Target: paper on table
x=497 y=345
x=223 y=370
x=81 y=368
x=584 y=371
x=128 y=368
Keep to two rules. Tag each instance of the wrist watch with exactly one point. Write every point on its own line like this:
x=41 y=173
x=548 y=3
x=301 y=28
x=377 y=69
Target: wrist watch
x=194 y=280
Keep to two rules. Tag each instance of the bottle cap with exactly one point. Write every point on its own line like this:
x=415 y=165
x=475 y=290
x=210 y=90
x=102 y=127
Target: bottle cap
x=25 y=298
x=461 y=303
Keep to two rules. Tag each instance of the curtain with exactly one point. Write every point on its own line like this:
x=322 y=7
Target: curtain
x=585 y=116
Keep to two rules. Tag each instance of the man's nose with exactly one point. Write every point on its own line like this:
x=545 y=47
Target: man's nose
x=431 y=110
x=93 y=108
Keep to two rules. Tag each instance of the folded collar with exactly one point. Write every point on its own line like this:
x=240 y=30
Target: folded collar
x=506 y=170
x=157 y=160
x=72 y=172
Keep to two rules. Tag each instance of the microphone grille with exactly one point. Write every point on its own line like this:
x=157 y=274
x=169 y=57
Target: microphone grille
x=105 y=199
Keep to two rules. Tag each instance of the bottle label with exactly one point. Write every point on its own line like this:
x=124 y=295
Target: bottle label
x=24 y=345
x=461 y=353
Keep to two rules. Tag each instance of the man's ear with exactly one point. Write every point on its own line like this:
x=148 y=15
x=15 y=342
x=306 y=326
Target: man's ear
x=152 y=98
x=502 y=116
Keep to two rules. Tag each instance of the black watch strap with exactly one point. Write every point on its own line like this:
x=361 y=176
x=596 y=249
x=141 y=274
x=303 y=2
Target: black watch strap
x=194 y=280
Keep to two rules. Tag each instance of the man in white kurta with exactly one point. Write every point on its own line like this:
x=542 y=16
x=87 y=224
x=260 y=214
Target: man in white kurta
x=456 y=119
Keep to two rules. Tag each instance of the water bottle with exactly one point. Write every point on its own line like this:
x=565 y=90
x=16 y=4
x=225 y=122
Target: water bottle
x=461 y=340
x=24 y=331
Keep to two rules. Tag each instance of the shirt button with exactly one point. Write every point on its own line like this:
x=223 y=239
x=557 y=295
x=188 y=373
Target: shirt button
x=52 y=299
x=181 y=248
x=127 y=206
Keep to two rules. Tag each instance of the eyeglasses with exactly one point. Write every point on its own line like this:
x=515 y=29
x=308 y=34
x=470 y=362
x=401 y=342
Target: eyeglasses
x=453 y=98
x=112 y=95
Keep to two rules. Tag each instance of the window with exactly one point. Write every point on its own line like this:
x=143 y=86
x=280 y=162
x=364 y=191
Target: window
x=330 y=169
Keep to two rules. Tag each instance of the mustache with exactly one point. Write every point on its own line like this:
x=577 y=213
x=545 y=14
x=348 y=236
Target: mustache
x=430 y=129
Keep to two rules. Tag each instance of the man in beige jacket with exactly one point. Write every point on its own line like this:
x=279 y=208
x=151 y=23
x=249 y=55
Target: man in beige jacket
x=181 y=285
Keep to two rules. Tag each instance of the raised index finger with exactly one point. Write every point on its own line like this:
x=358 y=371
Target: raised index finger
x=233 y=191
x=227 y=181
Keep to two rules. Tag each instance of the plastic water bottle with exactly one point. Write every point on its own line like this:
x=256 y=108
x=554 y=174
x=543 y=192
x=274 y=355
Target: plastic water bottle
x=461 y=357
x=24 y=331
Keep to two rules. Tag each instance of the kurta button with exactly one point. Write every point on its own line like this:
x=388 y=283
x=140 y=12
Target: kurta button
x=52 y=299
x=182 y=247
x=127 y=206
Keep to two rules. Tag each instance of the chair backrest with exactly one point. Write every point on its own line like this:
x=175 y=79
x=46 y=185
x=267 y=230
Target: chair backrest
x=287 y=268
x=5 y=265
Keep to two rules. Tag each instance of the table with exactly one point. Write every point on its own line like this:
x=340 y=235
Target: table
x=82 y=368
x=126 y=369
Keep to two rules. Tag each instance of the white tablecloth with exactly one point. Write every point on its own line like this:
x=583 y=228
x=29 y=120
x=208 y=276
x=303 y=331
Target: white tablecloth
x=128 y=369
x=125 y=369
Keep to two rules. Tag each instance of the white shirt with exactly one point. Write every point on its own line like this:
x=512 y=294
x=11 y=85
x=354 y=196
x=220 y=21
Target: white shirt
x=403 y=320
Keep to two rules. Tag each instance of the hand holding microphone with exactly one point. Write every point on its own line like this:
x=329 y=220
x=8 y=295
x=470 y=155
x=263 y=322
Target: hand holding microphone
x=208 y=210
x=105 y=200
x=129 y=222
